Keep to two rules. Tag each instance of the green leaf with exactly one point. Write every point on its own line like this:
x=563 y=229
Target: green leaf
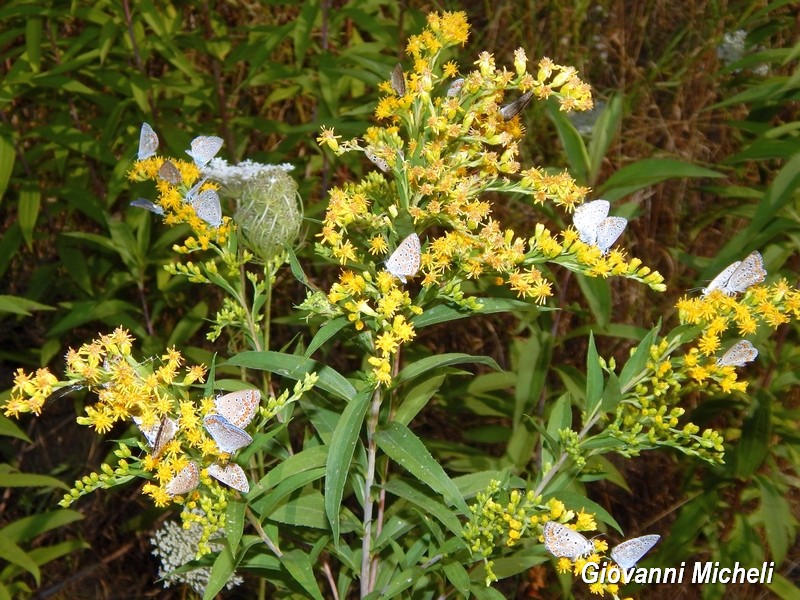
x=296 y=367
x=299 y=567
x=31 y=480
x=443 y=313
x=17 y=305
x=513 y=565
x=307 y=460
x=326 y=332
x=648 y=172
x=9 y=428
x=27 y=528
x=783 y=588
x=234 y=523
x=754 y=442
x=612 y=395
x=442 y=360
x=33 y=43
x=341 y=454
x=221 y=571
x=429 y=505
x=306 y=511
x=297 y=269
x=603 y=133
x=416 y=399
x=594 y=378
x=777 y=517
x=457 y=575
x=636 y=364
x=29 y=201
x=15 y=555
x=572 y=142
x=407 y=450
x=598 y=294
x=7 y=158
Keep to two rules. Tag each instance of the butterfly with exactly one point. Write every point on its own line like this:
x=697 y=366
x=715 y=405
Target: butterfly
x=184 y=481
x=228 y=437
x=238 y=408
x=561 y=541
x=170 y=173
x=377 y=160
x=231 y=475
x=738 y=355
x=627 y=554
x=398 y=80
x=738 y=276
x=455 y=87
x=204 y=148
x=148 y=142
x=158 y=435
x=404 y=261
x=509 y=111
x=595 y=227
x=206 y=205
x=146 y=204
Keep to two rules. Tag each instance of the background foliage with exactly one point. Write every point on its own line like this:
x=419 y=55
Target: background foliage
x=78 y=81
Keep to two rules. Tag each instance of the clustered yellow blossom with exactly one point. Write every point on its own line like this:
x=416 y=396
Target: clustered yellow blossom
x=448 y=145
x=172 y=200
x=650 y=416
x=152 y=391
x=500 y=519
x=717 y=313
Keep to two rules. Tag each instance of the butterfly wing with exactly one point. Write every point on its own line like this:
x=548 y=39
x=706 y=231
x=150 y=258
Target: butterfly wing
x=398 y=80
x=455 y=87
x=206 y=205
x=509 y=111
x=148 y=142
x=608 y=231
x=561 y=541
x=749 y=272
x=720 y=281
x=738 y=355
x=170 y=173
x=228 y=437
x=628 y=553
x=184 y=481
x=160 y=434
x=377 y=160
x=240 y=407
x=404 y=261
x=147 y=205
x=231 y=475
x=587 y=217
x=204 y=148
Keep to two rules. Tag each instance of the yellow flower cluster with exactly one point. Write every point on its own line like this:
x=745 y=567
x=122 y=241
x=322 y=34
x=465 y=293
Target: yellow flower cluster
x=496 y=524
x=716 y=313
x=650 y=417
x=152 y=391
x=172 y=200
x=380 y=303
x=449 y=144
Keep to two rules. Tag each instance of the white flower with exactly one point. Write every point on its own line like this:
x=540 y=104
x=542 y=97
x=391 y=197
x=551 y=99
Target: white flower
x=233 y=176
x=176 y=546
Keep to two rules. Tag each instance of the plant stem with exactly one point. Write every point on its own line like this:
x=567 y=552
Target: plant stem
x=369 y=479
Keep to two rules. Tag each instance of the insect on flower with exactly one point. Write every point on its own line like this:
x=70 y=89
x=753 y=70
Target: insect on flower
x=148 y=142
x=398 y=80
x=561 y=541
x=738 y=276
x=404 y=261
